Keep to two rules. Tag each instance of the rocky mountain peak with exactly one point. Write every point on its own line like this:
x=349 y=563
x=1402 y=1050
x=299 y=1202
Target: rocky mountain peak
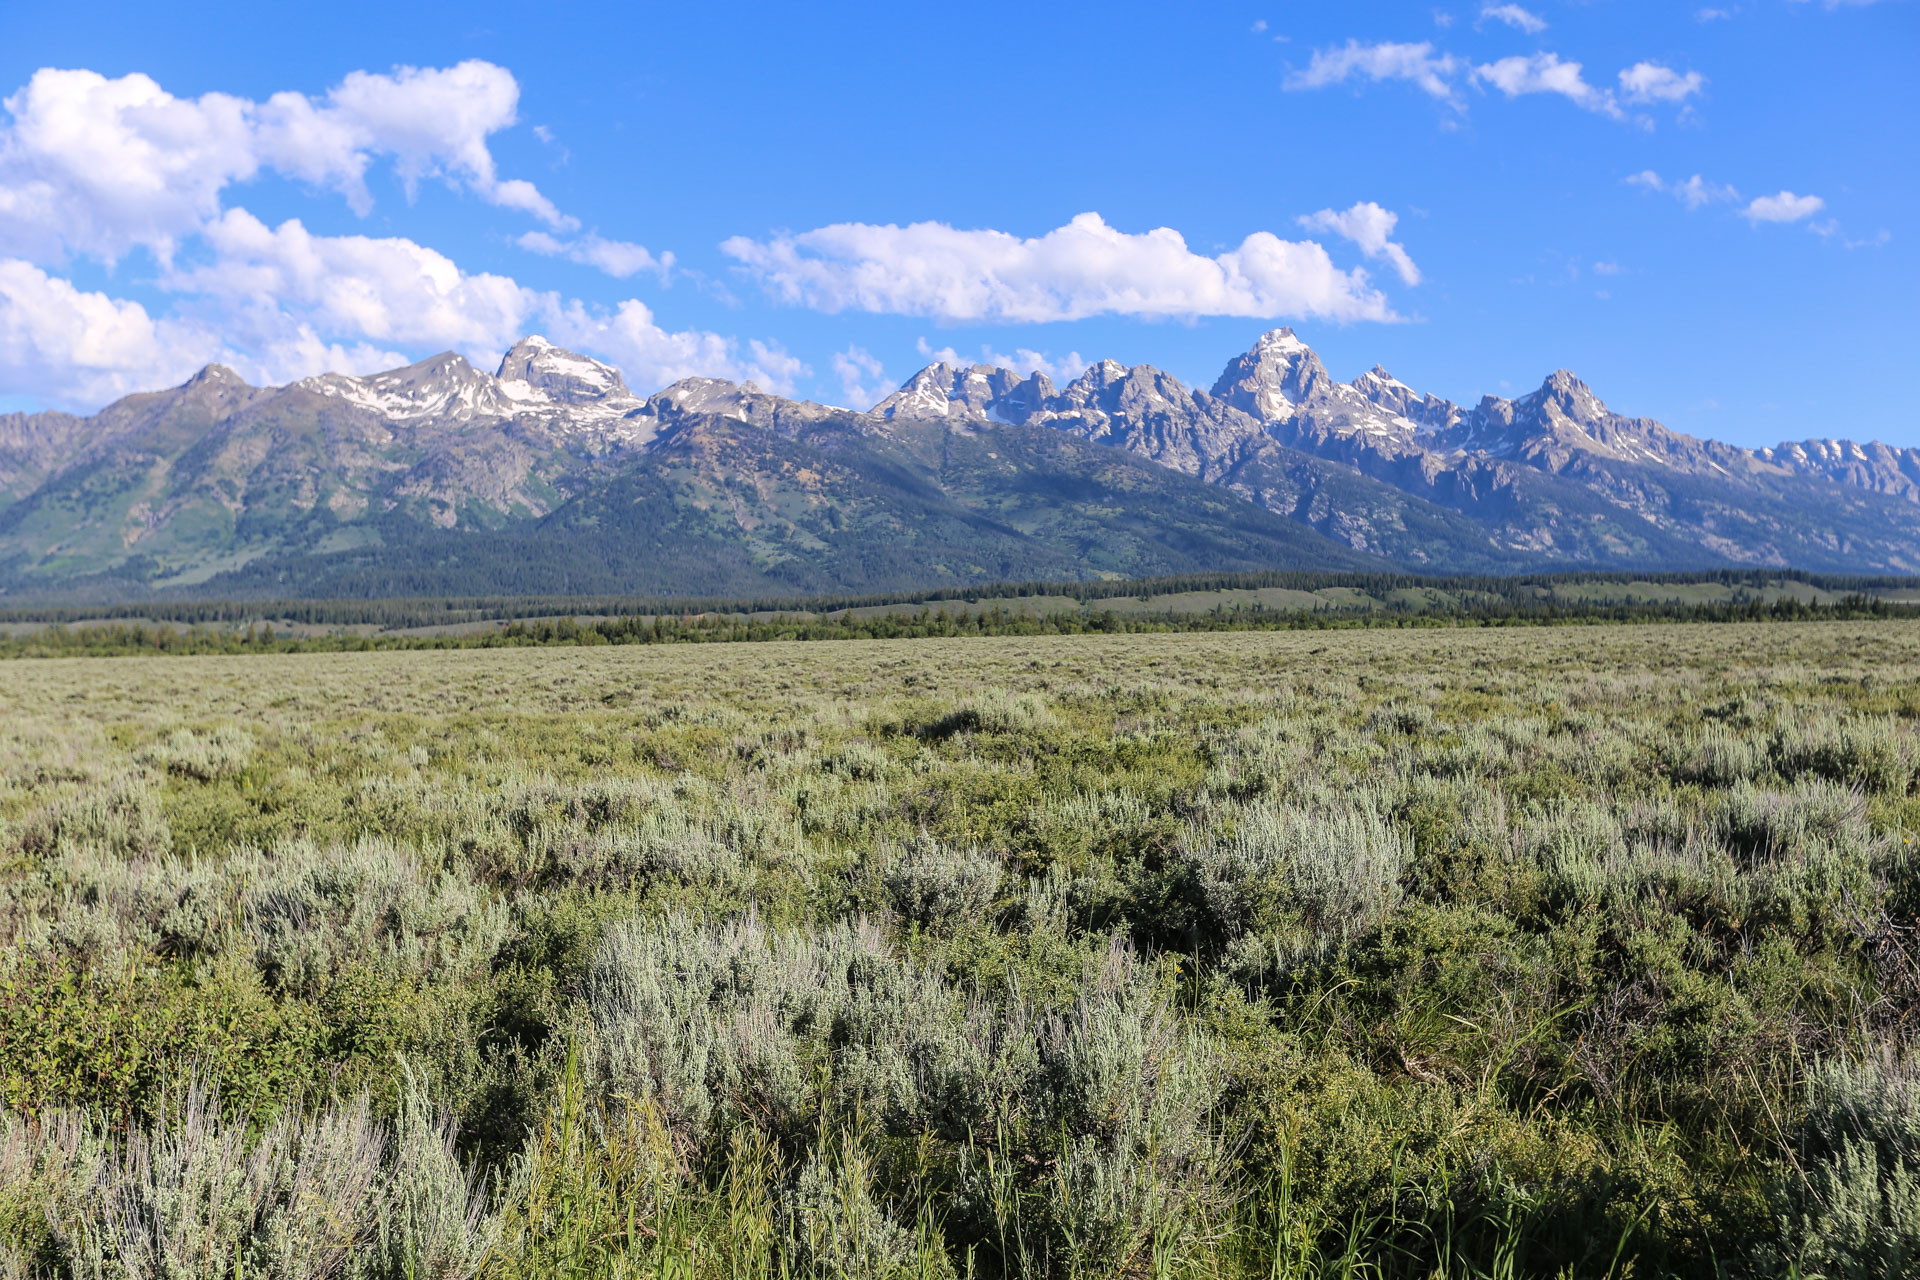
x=1566 y=390
x=943 y=391
x=1278 y=373
x=740 y=401
x=442 y=386
x=562 y=375
x=216 y=375
x=1425 y=412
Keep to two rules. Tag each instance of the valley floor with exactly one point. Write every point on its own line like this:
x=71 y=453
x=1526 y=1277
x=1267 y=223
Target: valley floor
x=1542 y=952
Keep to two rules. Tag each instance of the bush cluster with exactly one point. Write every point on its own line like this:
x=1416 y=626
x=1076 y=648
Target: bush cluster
x=1527 y=953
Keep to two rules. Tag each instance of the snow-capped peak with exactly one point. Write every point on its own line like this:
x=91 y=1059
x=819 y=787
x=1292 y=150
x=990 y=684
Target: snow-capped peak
x=1280 y=341
x=1276 y=374
x=562 y=375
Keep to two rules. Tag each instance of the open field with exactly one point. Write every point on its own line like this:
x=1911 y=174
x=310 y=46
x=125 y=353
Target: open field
x=1517 y=953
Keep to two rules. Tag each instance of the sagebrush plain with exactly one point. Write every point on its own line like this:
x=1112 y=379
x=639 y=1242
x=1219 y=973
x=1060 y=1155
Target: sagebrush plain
x=1585 y=951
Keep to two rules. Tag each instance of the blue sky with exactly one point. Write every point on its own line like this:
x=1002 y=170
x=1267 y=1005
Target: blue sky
x=1710 y=217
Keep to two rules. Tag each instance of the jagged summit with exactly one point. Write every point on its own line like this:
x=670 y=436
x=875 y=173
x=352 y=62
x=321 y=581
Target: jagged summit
x=1277 y=373
x=943 y=391
x=561 y=375
x=711 y=472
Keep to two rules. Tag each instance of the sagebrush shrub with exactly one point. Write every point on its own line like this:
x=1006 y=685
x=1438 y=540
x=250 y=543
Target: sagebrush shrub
x=1860 y=751
x=204 y=755
x=1267 y=866
x=326 y=1194
x=1859 y=1149
x=939 y=886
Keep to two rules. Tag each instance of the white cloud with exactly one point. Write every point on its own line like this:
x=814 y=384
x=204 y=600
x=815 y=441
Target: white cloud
x=1085 y=268
x=76 y=347
x=433 y=122
x=1694 y=193
x=1606 y=268
x=1652 y=82
x=1545 y=73
x=1712 y=15
x=1784 y=207
x=1439 y=74
x=862 y=378
x=98 y=166
x=73 y=346
x=1416 y=63
x=386 y=289
x=1369 y=226
x=1024 y=360
x=1514 y=16
x=1697 y=192
x=395 y=291
x=1259 y=25
x=279 y=303
x=618 y=258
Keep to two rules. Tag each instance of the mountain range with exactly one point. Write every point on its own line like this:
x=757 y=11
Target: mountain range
x=550 y=475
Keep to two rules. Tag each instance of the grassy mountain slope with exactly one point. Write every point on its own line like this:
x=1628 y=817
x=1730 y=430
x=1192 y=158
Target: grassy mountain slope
x=724 y=507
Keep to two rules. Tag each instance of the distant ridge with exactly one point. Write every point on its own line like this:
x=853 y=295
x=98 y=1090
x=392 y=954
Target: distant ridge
x=550 y=475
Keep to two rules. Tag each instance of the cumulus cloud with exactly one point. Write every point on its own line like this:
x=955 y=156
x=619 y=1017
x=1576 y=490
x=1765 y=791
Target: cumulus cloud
x=394 y=290
x=1085 y=268
x=618 y=258
x=70 y=345
x=1368 y=226
x=1652 y=82
x=1514 y=16
x=387 y=289
x=1416 y=63
x=77 y=347
x=1783 y=207
x=280 y=303
x=1696 y=192
x=1545 y=73
x=98 y=166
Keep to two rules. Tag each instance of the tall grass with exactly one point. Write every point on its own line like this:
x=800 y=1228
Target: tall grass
x=1563 y=953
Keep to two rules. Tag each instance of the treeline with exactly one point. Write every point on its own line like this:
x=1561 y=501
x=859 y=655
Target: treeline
x=1519 y=593
x=130 y=638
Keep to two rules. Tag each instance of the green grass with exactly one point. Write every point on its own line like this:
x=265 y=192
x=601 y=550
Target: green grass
x=1390 y=953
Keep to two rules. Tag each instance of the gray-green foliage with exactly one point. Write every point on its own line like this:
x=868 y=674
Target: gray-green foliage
x=715 y=1025
x=1129 y=1092
x=216 y=753
x=320 y=1194
x=940 y=886
x=1268 y=867
x=1456 y=952
x=1859 y=1149
x=1861 y=751
x=299 y=911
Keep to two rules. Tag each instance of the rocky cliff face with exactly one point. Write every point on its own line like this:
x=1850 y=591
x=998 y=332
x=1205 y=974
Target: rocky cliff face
x=1553 y=477
x=174 y=487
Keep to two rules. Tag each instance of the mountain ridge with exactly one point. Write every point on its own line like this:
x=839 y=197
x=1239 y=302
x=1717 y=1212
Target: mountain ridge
x=216 y=481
